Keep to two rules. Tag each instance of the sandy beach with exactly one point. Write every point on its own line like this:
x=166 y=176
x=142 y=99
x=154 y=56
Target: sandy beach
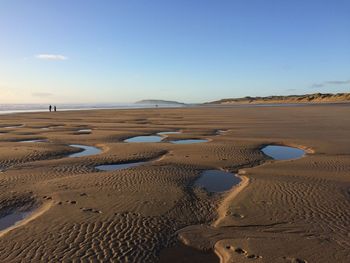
x=282 y=211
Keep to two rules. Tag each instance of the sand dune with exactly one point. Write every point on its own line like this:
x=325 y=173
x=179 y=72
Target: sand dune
x=285 y=211
x=307 y=98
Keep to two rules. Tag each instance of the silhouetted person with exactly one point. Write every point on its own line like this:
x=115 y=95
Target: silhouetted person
x=54 y=108
x=50 y=108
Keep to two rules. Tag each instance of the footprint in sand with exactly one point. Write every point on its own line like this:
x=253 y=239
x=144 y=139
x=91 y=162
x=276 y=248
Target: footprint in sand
x=295 y=260
x=241 y=251
x=71 y=202
x=252 y=256
x=85 y=209
x=238 y=215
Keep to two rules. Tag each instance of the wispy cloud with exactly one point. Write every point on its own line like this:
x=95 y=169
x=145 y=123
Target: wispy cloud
x=51 y=57
x=330 y=83
x=42 y=94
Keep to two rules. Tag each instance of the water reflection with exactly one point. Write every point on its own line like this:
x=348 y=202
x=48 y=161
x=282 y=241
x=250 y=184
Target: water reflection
x=13 y=218
x=120 y=166
x=148 y=138
x=217 y=180
x=189 y=141
x=86 y=150
x=279 y=152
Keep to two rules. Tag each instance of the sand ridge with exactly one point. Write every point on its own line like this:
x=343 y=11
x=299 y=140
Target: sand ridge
x=223 y=207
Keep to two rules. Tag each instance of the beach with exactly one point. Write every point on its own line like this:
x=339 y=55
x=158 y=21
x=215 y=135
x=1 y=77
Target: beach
x=294 y=210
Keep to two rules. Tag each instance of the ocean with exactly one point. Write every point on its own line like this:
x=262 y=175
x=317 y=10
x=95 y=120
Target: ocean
x=18 y=108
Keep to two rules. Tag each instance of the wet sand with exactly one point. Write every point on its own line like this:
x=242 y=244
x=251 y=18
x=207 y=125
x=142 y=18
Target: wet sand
x=282 y=211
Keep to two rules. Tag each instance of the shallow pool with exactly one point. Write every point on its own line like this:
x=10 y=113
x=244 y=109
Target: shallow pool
x=84 y=131
x=168 y=132
x=189 y=141
x=147 y=138
x=217 y=181
x=14 y=126
x=34 y=140
x=86 y=150
x=120 y=166
x=279 y=152
x=12 y=219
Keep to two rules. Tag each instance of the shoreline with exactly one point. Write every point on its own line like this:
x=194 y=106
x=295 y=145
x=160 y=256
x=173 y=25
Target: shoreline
x=199 y=105
x=133 y=107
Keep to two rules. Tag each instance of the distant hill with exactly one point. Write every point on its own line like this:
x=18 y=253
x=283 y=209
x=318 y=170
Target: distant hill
x=307 y=98
x=160 y=102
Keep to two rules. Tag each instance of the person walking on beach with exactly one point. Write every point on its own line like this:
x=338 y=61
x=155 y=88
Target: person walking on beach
x=50 y=108
x=54 y=108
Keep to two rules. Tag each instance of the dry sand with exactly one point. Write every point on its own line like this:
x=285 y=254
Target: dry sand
x=307 y=98
x=284 y=211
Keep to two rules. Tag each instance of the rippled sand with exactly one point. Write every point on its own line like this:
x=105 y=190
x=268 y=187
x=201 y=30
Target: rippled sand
x=283 y=211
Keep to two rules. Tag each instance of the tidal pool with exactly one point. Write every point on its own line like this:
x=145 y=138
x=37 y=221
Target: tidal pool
x=14 y=126
x=279 y=152
x=13 y=218
x=120 y=166
x=220 y=132
x=217 y=181
x=84 y=131
x=147 y=138
x=86 y=150
x=168 y=132
x=189 y=141
x=35 y=140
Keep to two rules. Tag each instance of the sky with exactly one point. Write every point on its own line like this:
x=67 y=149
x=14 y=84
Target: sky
x=110 y=51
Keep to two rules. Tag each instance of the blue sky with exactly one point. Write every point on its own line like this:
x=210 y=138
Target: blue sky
x=186 y=50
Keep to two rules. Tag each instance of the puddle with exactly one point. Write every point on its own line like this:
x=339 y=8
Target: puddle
x=87 y=150
x=14 y=126
x=168 y=133
x=84 y=131
x=217 y=181
x=220 y=132
x=35 y=140
x=152 y=138
x=189 y=141
x=120 y=166
x=12 y=219
x=149 y=138
x=51 y=127
x=279 y=152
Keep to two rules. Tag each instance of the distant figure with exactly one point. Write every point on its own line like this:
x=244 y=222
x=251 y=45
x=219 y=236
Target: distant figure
x=50 y=108
x=156 y=105
x=54 y=108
